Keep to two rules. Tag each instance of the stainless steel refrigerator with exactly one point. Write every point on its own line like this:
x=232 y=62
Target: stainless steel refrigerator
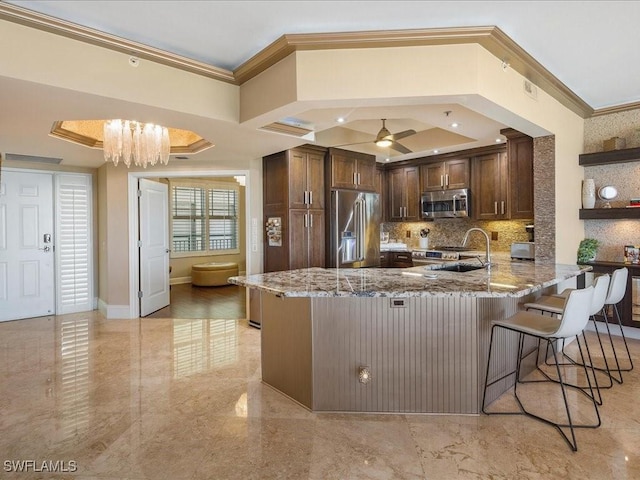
x=354 y=229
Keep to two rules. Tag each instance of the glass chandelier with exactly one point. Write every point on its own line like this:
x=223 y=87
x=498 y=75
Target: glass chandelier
x=132 y=142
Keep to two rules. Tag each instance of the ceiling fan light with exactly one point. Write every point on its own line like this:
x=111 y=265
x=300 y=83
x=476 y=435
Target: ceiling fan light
x=383 y=143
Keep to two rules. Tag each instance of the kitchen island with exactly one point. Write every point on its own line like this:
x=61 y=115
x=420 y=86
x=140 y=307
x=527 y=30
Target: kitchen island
x=422 y=334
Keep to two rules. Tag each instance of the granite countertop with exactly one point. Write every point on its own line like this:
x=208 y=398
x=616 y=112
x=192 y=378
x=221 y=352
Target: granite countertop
x=505 y=279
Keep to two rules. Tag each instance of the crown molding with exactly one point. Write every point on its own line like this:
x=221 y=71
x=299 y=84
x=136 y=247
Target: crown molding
x=490 y=37
x=617 y=109
x=74 y=31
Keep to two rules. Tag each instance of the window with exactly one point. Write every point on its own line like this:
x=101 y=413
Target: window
x=204 y=219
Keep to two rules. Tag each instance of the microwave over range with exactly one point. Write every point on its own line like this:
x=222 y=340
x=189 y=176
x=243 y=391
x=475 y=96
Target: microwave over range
x=445 y=204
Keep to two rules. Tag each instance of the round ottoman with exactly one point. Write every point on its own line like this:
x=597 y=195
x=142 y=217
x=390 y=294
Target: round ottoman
x=212 y=274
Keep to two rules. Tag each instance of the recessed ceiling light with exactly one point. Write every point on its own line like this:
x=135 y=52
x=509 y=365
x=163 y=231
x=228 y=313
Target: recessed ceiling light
x=340 y=119
x=436 y=151
x=387 y=159
x=498 y=140
x=455 y=125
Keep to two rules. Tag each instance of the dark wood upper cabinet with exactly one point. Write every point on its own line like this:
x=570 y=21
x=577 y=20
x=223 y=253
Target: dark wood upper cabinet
x=446 y=175
x=489 y=191
x=351 y=170
x=306 y=179
x=294 y=179
x=403 y=194
x=520 y=158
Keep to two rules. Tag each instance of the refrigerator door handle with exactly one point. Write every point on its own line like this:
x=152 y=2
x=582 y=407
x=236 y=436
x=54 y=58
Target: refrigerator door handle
x=360 y=205
x=337 y=231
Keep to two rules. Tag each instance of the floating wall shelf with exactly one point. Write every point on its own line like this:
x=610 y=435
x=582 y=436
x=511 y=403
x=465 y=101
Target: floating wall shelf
x=613 y=156
x=609 y=213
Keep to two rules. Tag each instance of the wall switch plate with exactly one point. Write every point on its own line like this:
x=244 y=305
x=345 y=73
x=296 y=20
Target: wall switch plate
x=408 y=233
x=494 y=235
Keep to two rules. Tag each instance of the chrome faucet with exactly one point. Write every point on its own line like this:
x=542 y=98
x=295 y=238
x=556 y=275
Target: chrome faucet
x=487 y=252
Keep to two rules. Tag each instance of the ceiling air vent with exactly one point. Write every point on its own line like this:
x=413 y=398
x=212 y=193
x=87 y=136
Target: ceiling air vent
x=287 y=129
x=31 y=158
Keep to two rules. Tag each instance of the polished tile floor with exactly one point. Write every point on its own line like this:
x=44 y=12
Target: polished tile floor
x=182 y=399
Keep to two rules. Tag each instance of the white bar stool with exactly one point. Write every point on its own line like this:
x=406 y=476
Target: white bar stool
x=575 y=316
x=617 y=289
x=554 y=305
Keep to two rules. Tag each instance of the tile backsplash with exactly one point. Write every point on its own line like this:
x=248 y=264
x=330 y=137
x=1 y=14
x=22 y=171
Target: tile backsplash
x=450 y=231
x=613 y=235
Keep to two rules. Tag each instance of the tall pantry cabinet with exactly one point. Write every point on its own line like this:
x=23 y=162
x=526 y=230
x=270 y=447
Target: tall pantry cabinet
x=294 y=201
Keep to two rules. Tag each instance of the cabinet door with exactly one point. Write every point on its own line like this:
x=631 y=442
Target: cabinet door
x=401 y=260
x=412 y=195
x=396 y=183
x=457 y=173
x=298 y=239
x=315 y=179
x=385 y=260
x=381 y=189
x=404 y=194
x=297 y=179
x=343 y=171
x=520 y=158
x=432 y=177
x=489 y=187
x=316 y=238
x=366 y=171
x=275 y=179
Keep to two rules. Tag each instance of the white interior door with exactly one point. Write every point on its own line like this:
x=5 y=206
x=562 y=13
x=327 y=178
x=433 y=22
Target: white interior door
x=154 y=246
x=27 y=287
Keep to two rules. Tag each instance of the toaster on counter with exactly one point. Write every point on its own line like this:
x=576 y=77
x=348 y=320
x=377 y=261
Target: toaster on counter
x=523 y=251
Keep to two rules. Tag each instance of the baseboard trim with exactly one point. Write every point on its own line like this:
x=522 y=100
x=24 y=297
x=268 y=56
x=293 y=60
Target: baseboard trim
x=113 y=311
x=179 y=280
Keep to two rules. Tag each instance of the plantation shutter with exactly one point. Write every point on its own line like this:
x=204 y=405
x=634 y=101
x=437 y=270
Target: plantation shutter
x=223 y=219
x=188 y=219
x=73 y=243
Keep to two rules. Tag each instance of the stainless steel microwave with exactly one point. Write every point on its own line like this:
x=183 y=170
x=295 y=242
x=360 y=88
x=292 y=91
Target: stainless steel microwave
x=445 y=204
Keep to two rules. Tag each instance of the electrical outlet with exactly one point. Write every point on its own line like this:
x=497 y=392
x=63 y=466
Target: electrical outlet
x=408 y=233
x=494 y=235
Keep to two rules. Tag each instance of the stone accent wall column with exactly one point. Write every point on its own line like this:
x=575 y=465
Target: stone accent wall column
x=544 y=197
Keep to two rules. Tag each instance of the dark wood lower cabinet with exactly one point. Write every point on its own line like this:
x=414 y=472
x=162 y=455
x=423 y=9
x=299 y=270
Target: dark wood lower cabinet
x=401 y=260
x=625 y=307
x=395 y=260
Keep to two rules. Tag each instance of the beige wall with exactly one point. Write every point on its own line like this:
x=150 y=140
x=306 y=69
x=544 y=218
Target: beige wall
x=39 y=56
x=613 y=234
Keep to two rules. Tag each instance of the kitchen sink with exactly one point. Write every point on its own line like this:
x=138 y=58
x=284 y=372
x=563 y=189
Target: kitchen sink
x=461 y=267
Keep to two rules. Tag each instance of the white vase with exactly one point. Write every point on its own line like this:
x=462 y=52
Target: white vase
x=588 y=193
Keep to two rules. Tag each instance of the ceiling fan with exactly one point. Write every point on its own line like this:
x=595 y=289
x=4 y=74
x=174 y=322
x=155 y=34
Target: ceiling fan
x=385 y=139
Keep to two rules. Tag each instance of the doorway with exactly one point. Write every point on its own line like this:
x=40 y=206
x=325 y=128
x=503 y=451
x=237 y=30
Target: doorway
x=136 y=261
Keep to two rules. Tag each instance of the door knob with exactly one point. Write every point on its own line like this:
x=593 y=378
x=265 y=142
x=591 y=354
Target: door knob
x=46 y=248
